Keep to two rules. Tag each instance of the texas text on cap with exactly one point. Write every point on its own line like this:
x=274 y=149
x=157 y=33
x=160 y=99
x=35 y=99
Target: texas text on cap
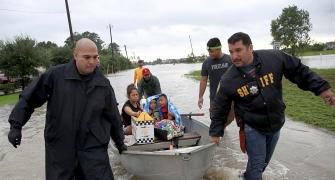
x=145 y=71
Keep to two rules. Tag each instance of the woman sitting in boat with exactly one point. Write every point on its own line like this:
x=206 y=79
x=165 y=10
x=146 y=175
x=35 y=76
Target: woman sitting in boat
x=130 y=108
x=170 y=118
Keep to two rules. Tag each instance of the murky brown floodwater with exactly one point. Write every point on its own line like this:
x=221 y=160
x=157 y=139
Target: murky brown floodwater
x=303 y=152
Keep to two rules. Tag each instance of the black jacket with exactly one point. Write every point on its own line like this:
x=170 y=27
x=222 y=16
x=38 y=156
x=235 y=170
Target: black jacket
x=80 y=117
x=258 y=101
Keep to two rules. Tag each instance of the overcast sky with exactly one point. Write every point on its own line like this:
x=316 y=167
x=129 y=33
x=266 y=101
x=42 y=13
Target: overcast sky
x=155 y=29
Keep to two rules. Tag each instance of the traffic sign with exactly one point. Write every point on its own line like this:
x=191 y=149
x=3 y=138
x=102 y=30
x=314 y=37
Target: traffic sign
x=276 y=45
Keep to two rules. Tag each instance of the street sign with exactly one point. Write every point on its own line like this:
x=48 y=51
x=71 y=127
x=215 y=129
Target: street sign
x=276 y=45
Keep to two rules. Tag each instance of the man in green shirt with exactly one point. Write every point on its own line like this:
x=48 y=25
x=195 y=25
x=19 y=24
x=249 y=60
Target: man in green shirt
x=149 y=84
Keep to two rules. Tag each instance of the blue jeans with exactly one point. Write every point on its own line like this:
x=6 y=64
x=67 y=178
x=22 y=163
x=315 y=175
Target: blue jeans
x=260 y=147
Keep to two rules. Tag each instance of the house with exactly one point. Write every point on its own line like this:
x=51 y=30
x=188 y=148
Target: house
x=3 y=79
x=330 y=45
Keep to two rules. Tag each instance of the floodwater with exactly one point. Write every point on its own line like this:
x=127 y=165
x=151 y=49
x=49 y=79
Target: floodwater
x=321 y=61
x=303 y=152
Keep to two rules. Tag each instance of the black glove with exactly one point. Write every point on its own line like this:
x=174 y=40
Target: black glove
x=14 y=136
x=122 y=148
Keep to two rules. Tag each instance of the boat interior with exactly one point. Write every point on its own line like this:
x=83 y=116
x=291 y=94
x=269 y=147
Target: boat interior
x=187 y=140
x=195 y=134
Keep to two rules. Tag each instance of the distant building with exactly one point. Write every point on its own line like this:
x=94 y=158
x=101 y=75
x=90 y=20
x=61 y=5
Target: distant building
x=330 y=45
x=3 y=79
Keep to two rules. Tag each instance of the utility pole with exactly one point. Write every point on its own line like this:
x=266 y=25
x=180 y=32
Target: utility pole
x=69 y=21
x=125 y=48
x=189 y=36
x=110 y=33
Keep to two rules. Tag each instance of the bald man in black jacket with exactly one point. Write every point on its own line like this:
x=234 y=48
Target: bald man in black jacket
x=81 y=117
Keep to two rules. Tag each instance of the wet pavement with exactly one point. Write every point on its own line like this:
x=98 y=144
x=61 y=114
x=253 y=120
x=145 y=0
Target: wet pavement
x=303 y=151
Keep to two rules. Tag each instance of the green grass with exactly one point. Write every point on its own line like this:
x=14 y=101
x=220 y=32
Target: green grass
x=9 y=99
x=314 y=53
x=305 y=106
x=194 y=75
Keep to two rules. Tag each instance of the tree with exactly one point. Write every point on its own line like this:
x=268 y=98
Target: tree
x=116 y=64
x=190 y=58
x=52 y=54
x=317 y=46
x=19 y=59
x=1 y=44
x=47 y=45
x=92 y=36
x=60 y=55
x=45 y=50
x=291 y=29
x=159 y=61
x=108 y=50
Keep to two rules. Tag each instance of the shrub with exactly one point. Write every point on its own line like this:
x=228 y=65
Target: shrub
x=8 y=87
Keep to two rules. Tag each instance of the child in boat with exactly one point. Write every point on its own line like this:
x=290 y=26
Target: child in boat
x=168 y=122
x=171 y=122
x=163 y=102
x=153 y=111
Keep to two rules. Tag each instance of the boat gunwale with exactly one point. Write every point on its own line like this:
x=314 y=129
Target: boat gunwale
x=168 y=152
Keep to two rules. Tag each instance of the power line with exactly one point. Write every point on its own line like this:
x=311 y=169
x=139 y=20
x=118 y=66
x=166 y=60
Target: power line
x=31 y=12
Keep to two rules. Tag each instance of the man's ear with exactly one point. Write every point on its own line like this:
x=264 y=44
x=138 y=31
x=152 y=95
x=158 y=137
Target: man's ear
x=251 y=47
x=74 y=54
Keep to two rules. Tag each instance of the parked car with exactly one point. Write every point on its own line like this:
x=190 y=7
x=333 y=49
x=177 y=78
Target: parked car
x=3 y=79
